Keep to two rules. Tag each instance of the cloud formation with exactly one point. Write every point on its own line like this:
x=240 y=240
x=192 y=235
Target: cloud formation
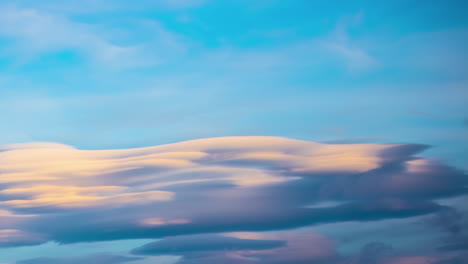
x=33 y=32
x=245 y=247
x=98 y=258
x=201 y=243
x=207 y=198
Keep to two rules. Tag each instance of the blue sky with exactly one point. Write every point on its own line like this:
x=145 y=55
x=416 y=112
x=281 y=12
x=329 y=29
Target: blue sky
x=117 y=74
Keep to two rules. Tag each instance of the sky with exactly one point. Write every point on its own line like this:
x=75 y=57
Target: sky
x=233 y=131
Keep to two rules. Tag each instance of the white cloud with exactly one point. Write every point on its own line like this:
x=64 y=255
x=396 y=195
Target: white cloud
x=354 y=54
x=34 y=32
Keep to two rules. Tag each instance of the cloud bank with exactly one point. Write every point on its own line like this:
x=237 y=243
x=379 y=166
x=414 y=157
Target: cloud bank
x=212 y=200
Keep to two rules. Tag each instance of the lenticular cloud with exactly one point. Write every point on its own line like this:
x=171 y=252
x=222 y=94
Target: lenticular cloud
x=54 y=192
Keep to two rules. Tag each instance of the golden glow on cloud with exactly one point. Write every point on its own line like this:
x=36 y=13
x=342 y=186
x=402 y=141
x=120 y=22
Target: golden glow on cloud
x=161 y=221
x=56 y=175
x=73 y=196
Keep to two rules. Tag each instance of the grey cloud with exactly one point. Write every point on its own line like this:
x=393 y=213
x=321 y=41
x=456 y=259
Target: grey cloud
x=456 y=244
x=184 y=244
x=450 y=220
x=217 y=216
x=374 y=253
x=97 y=258
x=294 y=248
x=17 y=238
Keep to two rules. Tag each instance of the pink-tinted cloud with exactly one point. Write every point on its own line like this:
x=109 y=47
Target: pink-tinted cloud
x=217 y=185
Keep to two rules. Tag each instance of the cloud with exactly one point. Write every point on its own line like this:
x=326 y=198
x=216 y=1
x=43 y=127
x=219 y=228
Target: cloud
x=449 y=220
x=187 y=244
x=287 y=247
x=9 y=218
x=12 y=238
x=301 y=247
x=413 y=260
x=459 y=243
x=453 y=221
x=33 y=32
x=373 y=253
x=39 y=32
x=215 y=185
x=93 y=6
x=97 y=258
x=354 y=54
x=182 y=3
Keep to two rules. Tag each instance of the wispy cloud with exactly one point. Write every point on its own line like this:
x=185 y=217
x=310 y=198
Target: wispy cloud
x=355 y=55
x=34 y=32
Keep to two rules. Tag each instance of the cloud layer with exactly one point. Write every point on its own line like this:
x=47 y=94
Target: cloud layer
x=207 y=199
